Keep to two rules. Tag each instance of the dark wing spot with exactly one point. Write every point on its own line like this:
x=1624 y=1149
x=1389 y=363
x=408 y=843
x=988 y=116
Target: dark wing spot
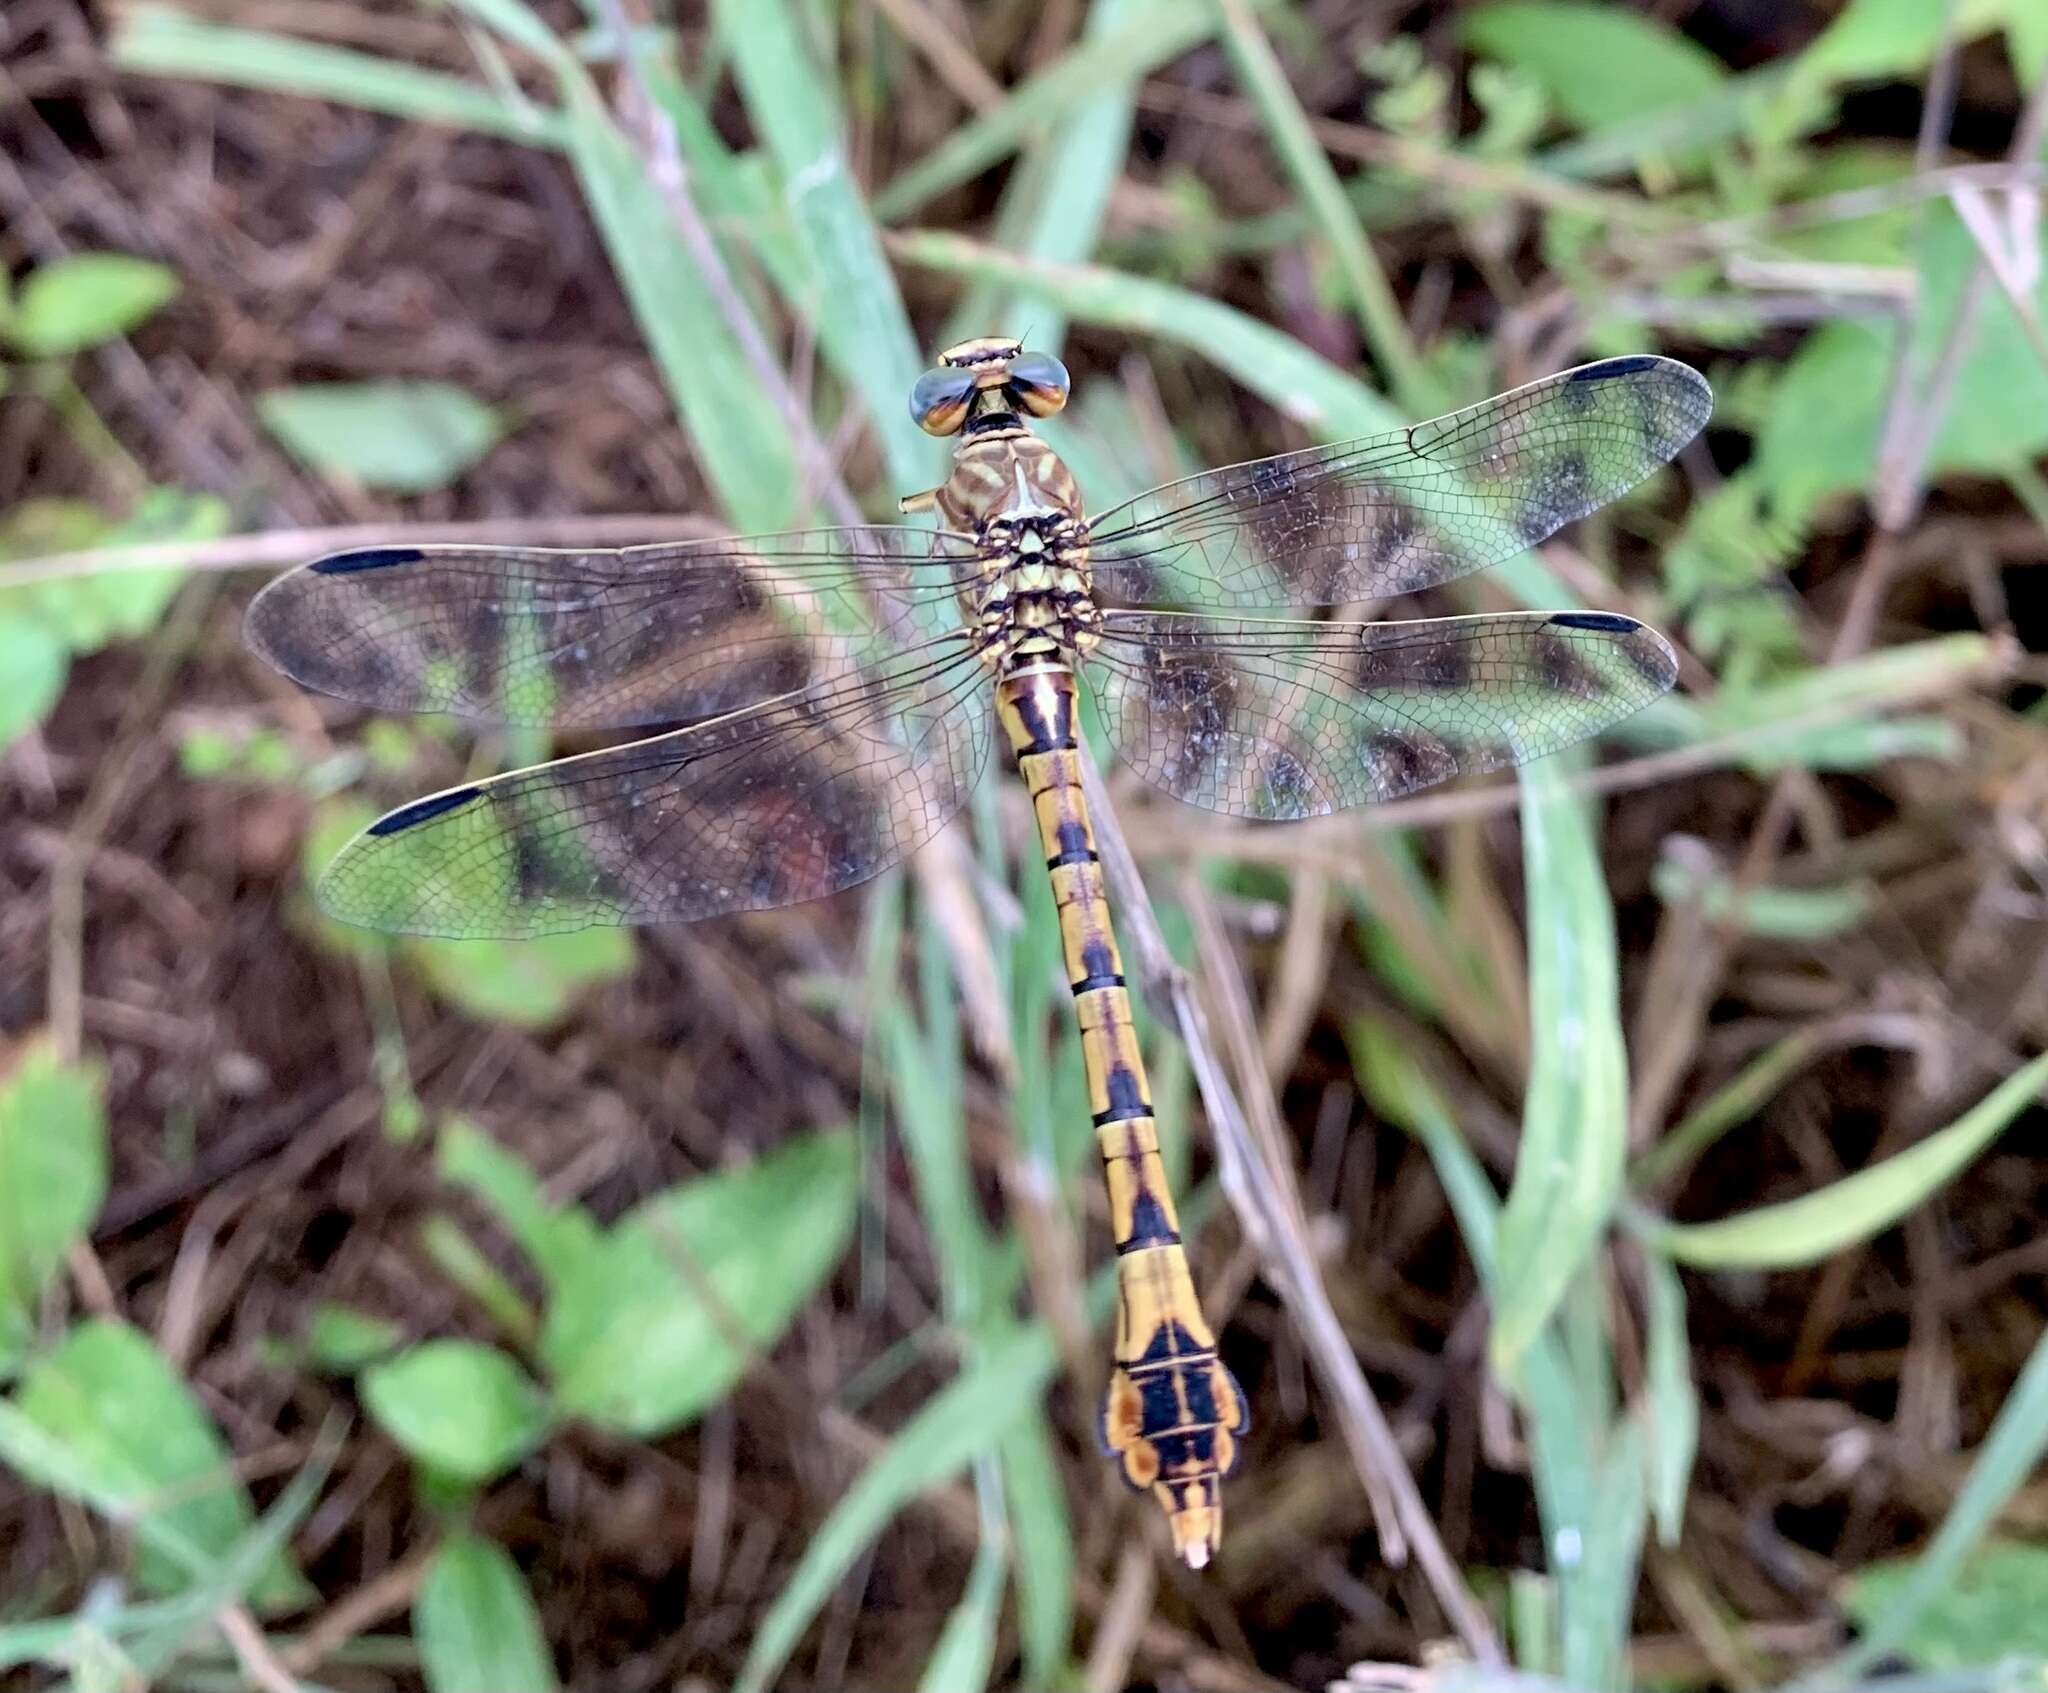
x=1563 y=670
x=423 y=810
x=365 y=558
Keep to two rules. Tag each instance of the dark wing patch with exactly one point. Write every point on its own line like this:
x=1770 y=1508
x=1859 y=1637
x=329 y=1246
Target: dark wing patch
x=606 y=639
x=1394 y=513
x=789 y=800
x=1277 y=719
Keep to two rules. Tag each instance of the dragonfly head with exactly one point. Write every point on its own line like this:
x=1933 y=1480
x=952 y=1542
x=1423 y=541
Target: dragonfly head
x=986 y=381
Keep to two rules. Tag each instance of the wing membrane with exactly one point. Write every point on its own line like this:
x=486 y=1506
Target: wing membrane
x=1394 y=513
x=617 y=638
x=792 y=799
x=1282 y=720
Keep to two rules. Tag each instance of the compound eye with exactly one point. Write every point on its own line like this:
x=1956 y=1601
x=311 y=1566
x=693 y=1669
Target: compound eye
x=1038 y=382
x=938 y=401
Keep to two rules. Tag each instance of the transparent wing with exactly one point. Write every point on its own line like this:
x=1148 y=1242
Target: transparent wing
x=792 y=799
x=1281 y=720
x=603 y=639
x=1395 y=513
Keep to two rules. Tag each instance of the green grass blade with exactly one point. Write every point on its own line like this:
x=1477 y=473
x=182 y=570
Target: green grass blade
x=1054 y=203
x=1042 y=1539
x=966 y=1650
x=1157 y=32
x=856 y=307
x=1673 y=1403
x=163 y=41
x=737 y=433
x=956 y=1424
x=2003 y=1465
x=1565 y=1413
x=1817 y=1225
x=1734 y=1102
x=1386 y=331
x=1575 y=1115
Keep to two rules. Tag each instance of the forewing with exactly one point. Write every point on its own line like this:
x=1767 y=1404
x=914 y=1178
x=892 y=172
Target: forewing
x=792 y=799
x=1395 y=513
x=603 y=639
x=1282 y=720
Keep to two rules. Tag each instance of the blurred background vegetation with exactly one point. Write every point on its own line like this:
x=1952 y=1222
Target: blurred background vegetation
x=723 y=1306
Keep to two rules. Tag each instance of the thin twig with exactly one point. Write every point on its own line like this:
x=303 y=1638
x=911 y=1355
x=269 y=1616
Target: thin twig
x=941 y=868
x=1260 y=1195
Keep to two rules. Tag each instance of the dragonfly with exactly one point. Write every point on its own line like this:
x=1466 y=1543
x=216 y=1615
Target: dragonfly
x=816 y=705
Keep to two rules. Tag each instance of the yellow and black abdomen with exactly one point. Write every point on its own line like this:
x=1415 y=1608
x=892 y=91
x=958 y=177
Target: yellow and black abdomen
x=1173 y=1413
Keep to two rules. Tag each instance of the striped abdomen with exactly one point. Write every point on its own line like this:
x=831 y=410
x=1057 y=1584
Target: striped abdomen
x=1173 y=1413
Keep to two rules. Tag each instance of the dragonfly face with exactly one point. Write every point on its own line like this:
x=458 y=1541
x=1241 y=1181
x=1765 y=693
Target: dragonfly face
x=833 y=687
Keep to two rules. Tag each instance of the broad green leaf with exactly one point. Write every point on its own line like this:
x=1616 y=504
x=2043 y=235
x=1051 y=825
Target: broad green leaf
x=641 y=1334
x=1871 y=40
x=1819 y=436
x=1575 y=1109
x=393 y=437
x=463 y=1409
x=962 y=1419
x=53 y=1175
x=529 y=984
x=1600 y=65
x=342 y=1340
x=74 y=303
x=86 y=612
x=1817 y=1225
x=1991 y=1610
x=121 y=1432
x=554 y=1237
x=475 y=1623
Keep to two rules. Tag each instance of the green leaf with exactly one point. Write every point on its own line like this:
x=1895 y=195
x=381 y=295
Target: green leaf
x=1673 y=1403
x=1575 y=1110
x=75 y=303
x=476 y=1625
x=1991 y=1610
x=962 y=1419
x=393 y=437
x=165 y=41
x=1872 y=40
x=861 y=324
x=1042 y=1538
x=342 y=1340
x=463 y=1409
x=1599 y=64
x=529 y=984
x=53 y=1175
x=643 y=1333
x=35 y=661
x=122 y=1433
x=1819 y=435
x=554 y=1237
x=87 y=612
x=1147 y=36
x=740 y=437
x=966 y=1647
x=1817 y=1225
x=2002 y=1466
